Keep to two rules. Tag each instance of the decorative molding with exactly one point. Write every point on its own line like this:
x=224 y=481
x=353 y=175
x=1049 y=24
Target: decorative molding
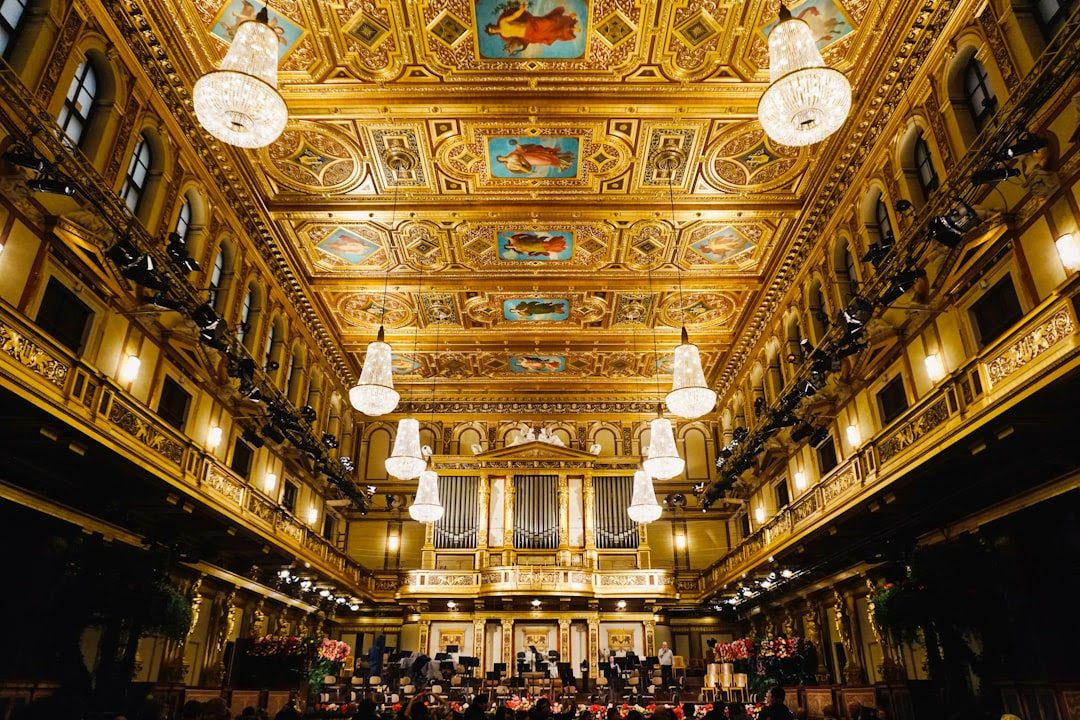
x=145 y=431
x=31 y=356
x=911 y=431
x=1031 y=345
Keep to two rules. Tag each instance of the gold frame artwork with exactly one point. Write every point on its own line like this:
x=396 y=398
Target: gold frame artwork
x=620 y=640
x=452 y=637
x=537 y=637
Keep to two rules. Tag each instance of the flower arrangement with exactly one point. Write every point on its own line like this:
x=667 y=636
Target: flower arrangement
x=899 y=608
x=333 y=650
x=740 y=649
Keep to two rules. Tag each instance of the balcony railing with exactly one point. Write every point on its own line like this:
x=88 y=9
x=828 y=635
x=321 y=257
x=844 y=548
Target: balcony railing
x=91 y=400
x=1048 y=338
x=542 y=580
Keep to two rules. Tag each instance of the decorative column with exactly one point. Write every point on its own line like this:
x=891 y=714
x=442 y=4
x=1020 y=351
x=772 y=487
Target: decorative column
x=483 y=519
x=563 y=508
x=422 y=640
x=564 y=639
x=427 y=554
x=479 y=641
x=593 y=652
x=508 y=644
x=644 y=554
x=650 y=638
x=258 y=620
x=892 y=666
x=813 y=634
x=508 y=519
x=852 y=670
x=589 y=493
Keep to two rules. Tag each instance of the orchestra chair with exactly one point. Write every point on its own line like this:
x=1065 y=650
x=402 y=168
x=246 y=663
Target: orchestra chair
x=741 y=686
x=502 y=693
x=602 y=687
x=678 y=666
x=408 y=691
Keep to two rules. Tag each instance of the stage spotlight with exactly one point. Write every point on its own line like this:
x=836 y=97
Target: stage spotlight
x=900 y=284
x=329 y=440
x=877 y=253
x=123 y=253
x=1026 y=144
x=49 y=185
x=253 y=438
x=251 y=392
x=142 y=271
x=808 y=389
x=989 y=176
x=25 y=158
x=818 y=436
x=177 y=251
x=903 y=206
x=847 y=350
x=801 y=432
x=205 y=317
x=271 y=366
x=308 y=413
x=272 y=433
x=948 y=229
x=163 y=301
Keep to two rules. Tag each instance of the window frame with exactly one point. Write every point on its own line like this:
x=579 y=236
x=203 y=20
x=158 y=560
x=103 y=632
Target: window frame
x=888 y=414
x=976 y=81
x=8 y=30
x=169 y=386
x=974 y=308
x=138 y=174
x=68 y=301
x=248 y=453
x=882 y=221
x=835 y=456
x=290 y=496
x=925 y=171
x=783 y=494
x=217 y=274
x=1049 y=26
x=71 y=108
x=183 y=219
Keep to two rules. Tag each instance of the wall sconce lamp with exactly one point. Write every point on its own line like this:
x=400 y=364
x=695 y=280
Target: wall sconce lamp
x=1068 y=249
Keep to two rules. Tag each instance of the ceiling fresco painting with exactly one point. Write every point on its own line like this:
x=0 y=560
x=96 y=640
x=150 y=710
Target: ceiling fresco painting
x=551 y=185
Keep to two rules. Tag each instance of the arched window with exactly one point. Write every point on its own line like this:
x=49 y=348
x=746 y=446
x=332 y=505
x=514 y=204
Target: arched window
x=10 y=13
x=217 y=273
x=135 y=178
x=978 y=93
x=183 y=219
x=847 y=276
x=75 y=113
x=924 y=167
x=1050 y=13
x=882 y=221
x=244 y=331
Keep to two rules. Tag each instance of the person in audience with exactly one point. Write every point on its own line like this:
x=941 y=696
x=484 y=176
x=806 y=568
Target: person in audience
x=192 y=710
x=541 y=710
x=216 y=709
x=735 y=710
x=829 y=711
x=417 y=708
x=663 y=713
x=365 y=710
x=634 y=715
x=775 y=709
x=802 y=714
x=289 y=712
x=477 y=708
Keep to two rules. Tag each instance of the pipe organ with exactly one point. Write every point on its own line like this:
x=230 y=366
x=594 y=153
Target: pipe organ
x=614 y=528
x=536 y=512
x=457 y=528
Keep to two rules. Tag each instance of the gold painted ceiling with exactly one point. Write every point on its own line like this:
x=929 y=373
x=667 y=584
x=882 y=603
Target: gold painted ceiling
x=507 y=176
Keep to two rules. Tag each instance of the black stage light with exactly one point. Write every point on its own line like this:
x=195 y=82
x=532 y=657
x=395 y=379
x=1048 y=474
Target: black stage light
x=818 y=436
x=945 y=232
x=900 y=284
x=801 y=432
x=49 y=185
x=123 y=253
x=271 y=365
x=164 y=302
x=25 y=158
x=329 y=441
x=903 y=206
x=1023 y=146
x=142 y=272
x=272 y=433
x=989 y=176
x=878 y=252
x=253 y=438
x=205 y=317
x=808 y=389
x=739 y=434
x=308 y=413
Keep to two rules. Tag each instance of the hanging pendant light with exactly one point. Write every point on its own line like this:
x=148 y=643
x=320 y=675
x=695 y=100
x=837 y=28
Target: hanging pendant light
x=806 y=100
x=643 y=506
x=374 y=393
x=426 y=508
x=663 y=461
x=406 y=462
x=690 y=396
x=239 y=103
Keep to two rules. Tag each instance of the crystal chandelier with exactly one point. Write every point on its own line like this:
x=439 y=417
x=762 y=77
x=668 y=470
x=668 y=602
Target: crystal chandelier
x=374 y=393
x=407 y=459
x=426 y=508
x=806 y=100
x=662 y=461
x=690 y=397
x=239 y=103
x=643 y=506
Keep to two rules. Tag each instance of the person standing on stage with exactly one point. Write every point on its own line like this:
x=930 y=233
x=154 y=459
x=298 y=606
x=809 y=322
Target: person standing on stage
x=666 y=658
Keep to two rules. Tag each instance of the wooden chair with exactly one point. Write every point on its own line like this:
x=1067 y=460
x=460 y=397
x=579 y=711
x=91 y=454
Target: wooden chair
x=741 y=686
x=678 y=666
x=708 y=690
x=602 y=687
x=502 y=693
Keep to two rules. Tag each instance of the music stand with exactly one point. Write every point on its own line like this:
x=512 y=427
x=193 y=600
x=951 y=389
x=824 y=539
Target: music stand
x=500 y=668
x=451 y=649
